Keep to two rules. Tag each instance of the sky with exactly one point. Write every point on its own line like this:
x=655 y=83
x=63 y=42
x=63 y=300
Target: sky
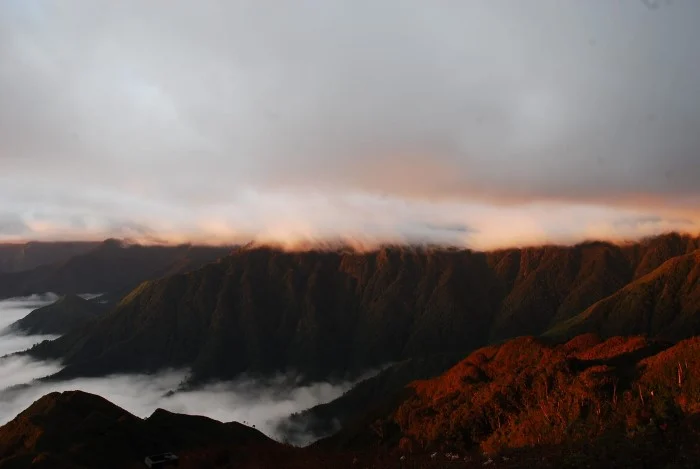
x=475 y=123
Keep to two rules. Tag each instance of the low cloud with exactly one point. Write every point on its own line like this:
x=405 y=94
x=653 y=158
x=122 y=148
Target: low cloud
x=11 y=342
x=262 y=403
x=259 y=402
x=17 y=371
x=11 y=310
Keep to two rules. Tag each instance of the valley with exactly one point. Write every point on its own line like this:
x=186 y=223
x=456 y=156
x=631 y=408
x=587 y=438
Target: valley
x=431 y=351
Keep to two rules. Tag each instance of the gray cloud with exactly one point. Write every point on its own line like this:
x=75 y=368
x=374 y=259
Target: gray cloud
x=12 y=224
x=141 y=113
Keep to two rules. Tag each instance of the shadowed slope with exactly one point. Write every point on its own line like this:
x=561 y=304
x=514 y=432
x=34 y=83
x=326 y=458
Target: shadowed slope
x=265 y=310
x=665 y=302
x=65 y=314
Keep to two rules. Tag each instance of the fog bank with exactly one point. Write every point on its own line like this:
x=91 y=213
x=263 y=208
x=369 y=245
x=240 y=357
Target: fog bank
x=259 y=403
x=12 y=310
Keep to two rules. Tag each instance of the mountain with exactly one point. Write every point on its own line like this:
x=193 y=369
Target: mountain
x=65 y=314
x=16 y=257
x=365 y=397
x=323 y=313
x=110 y=266
x=665 y=302
x=605 y=396
x=74 y=429
x=266 y=310
x=551 y=284
x=627 y=402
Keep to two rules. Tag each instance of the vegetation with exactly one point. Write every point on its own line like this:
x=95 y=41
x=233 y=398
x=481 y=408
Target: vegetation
x=620 y=403
x=526 y=394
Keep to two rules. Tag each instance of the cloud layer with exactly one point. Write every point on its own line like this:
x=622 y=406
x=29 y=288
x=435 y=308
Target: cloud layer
x=236 y=119
x=260 y=403
x=263 y=403
x=12 y=310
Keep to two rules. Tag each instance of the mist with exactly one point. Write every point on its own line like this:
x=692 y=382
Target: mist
x=259 y=402
x=11 y=310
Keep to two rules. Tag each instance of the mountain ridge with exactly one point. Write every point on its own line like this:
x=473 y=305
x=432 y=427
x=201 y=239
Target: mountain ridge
x=107 y=267
x=264 y=310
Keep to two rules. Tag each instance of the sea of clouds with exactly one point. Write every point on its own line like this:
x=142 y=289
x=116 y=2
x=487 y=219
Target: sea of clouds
x=262 y=403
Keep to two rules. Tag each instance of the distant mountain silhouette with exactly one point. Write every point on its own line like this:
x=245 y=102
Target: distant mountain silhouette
x=65 y=314
x=324 y=313
x=110 y=266
x=16 y=257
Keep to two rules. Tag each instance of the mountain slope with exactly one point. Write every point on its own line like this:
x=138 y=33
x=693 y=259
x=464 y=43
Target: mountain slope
x=264 y=310
x=367 y=396
x=665 y=302
x=624 y=402
x=65 y=314
x=524 y=393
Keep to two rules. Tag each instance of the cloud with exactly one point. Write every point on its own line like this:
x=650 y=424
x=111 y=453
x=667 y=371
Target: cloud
x=13 y=342
x=12 y=310
x=154 y=119
x=12 y=224
x=16 y=370
x=263 y=402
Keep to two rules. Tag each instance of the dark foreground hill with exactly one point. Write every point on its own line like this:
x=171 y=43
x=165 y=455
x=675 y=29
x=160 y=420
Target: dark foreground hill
x=324 y=313
x=110 y=266
x=63 y=315
x=79 y=430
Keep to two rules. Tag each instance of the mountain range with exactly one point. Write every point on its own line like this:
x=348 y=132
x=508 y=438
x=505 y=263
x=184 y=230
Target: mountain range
x=263 y=310
x=555 y=356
